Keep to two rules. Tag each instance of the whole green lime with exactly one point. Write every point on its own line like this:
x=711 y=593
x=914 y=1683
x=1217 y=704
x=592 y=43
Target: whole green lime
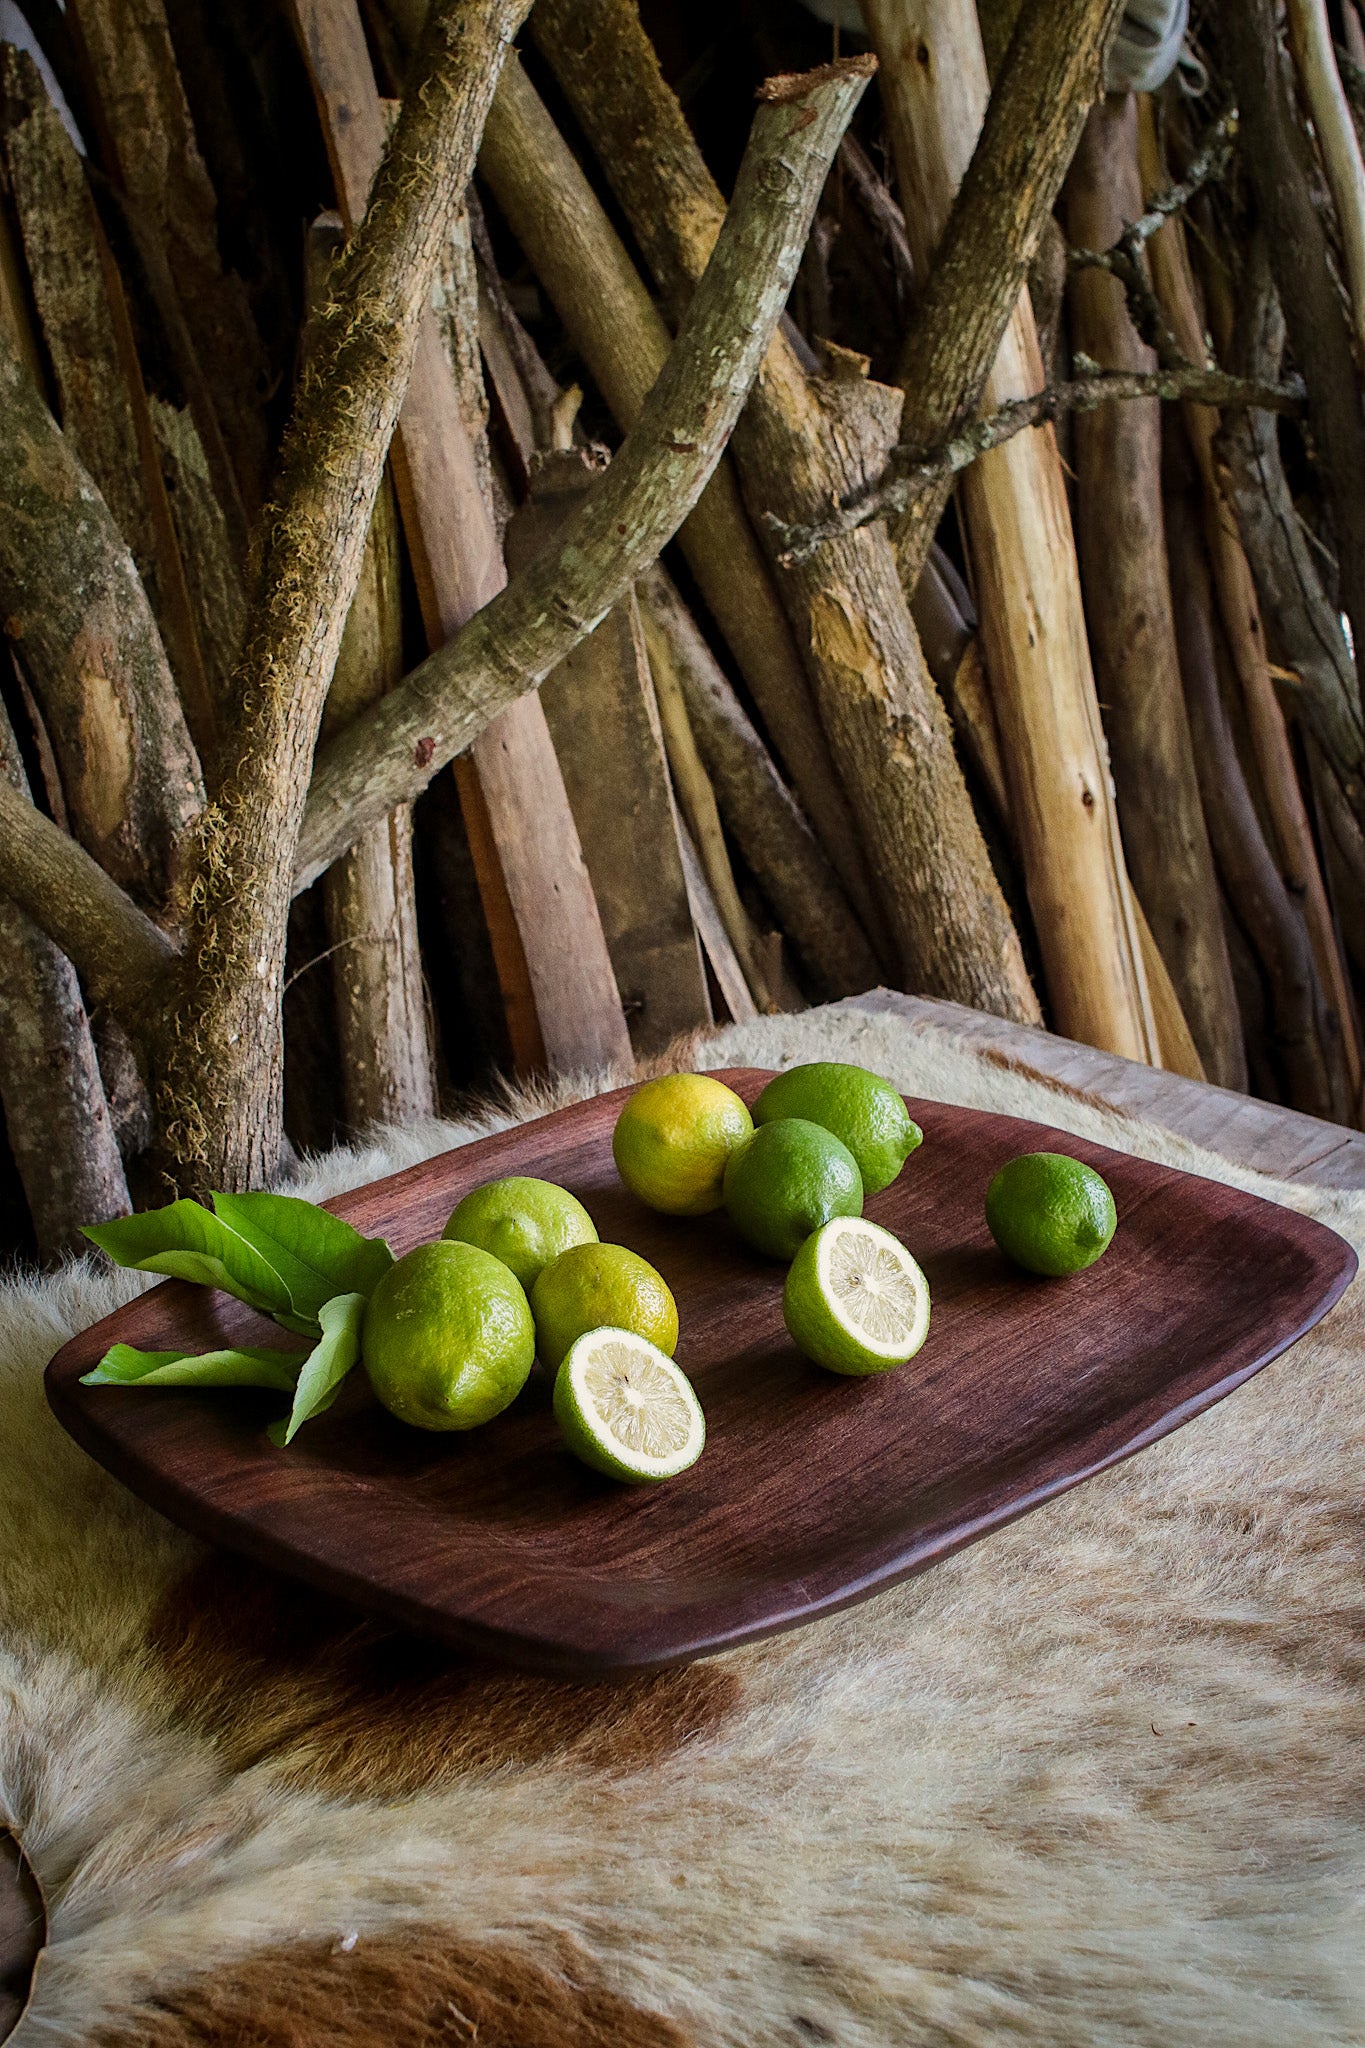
x=791 y=1177
x=524 y=1222
x=859 y=1107
x=448 y=1338
x=1050 y=1214
x=598 y=1286
x=673 y=1139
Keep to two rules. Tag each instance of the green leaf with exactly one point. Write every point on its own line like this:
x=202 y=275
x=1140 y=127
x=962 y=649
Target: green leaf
x=125 y=1367
x=190 y=1243
x=316 y=1255
x=327 y=1364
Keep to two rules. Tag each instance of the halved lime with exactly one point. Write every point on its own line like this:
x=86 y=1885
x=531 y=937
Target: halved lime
x=626 y=1409
x=855 y=1300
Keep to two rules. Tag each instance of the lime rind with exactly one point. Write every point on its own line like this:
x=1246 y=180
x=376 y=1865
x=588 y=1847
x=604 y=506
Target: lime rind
x=626 y=1409
x=856 y=1301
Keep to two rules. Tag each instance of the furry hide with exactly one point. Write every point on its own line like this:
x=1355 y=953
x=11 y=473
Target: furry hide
x=1093 y=1783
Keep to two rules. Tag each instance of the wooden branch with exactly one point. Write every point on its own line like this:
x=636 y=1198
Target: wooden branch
x=1310 y=38
x=554 y=969
x=122 y=957
x=57 y=1120
x=369 y=900
x=599 y=704
x=911 y=471
x=802 y=444
x=1278 y=168
x=1048 y=80
x=1256 y=893
x=764 y=820
x=659 y=472
x=89 y=340
x=223 y=1068
x=1018 y=519
x=1122 y=546
x=145 y=138
x=78 y=616
x=623 y=339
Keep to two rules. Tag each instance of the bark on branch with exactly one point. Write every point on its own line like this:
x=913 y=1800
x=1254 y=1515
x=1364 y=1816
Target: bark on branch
x=122 y=956
x=911 y=472
x=1050 y=77
x=223 y=1065
x=391 y=753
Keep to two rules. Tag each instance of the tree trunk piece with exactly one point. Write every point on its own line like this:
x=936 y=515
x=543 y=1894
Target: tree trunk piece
x=601 y=715
x=147 y=141
x=1251 y=879
x=221 y=1099
x=800 y=445
x=623 y=339
x=56 y=1117
x=1122 y=543
x=764 y=819
x=553 y=963
x=1019 y=532
x=85 y=325
x=387 y=1075
x=78 y=617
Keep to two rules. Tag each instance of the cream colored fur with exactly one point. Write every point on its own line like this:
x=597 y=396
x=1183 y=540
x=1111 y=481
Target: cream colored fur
x=1095 y=1781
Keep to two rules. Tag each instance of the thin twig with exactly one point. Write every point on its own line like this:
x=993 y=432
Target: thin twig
x=910 y=470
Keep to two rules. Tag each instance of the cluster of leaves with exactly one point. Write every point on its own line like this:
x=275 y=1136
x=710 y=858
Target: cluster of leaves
x=285 y=1257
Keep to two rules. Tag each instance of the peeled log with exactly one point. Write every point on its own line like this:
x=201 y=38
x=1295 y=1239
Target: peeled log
x=801 y=444
x=1121 y=535
x=935 y=90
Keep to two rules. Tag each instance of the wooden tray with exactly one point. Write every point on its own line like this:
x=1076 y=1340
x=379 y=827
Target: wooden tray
x=813 y=1491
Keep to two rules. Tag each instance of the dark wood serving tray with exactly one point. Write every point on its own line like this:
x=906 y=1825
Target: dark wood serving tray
x=813 y=1491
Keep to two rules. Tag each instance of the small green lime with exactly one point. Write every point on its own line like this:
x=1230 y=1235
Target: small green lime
x=859 y=1107
x=526 y=1223
x=598 y=1286
x=855 y=1300
x=787 y=1180
x=672 y=1141
x=626 y=1409
x=1050 y=1214
x=448 y=1339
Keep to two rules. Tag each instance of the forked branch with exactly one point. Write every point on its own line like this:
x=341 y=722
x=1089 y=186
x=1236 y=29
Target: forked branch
x=389 y=754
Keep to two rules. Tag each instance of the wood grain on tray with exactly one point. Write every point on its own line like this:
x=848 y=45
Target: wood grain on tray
x=813 y=1490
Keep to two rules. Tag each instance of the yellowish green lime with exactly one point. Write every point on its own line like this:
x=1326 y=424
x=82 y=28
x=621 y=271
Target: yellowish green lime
x=597 y=1286
x=673 y=1139
x=855 y=1300
x=524 y=1222
x=786 y=1180
x=859 y=1107
x=1050 y=1213
x=448 y=1339
x=626 y=1409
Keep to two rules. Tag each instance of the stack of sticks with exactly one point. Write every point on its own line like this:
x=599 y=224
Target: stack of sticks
x=1035 y=690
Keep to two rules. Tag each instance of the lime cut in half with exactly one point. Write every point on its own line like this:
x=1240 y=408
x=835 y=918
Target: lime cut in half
x=855 y=1300
x=626 y=1409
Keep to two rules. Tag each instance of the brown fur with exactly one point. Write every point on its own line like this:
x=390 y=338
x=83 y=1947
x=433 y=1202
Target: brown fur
x=410 y=1989
x=266 y=1668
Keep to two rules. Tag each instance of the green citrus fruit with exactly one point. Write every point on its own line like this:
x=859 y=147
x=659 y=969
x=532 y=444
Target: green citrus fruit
x=601 y=1286
x=860 y=1108
x=672 y=1141
x=448 y=1339
x=523 y=1222
x=787 y=1180
x=626 y=1409
x=1049 y=1213
x=855 y=1301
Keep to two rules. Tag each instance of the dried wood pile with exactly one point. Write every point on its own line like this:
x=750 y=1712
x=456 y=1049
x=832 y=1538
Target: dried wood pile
x=525 y=532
